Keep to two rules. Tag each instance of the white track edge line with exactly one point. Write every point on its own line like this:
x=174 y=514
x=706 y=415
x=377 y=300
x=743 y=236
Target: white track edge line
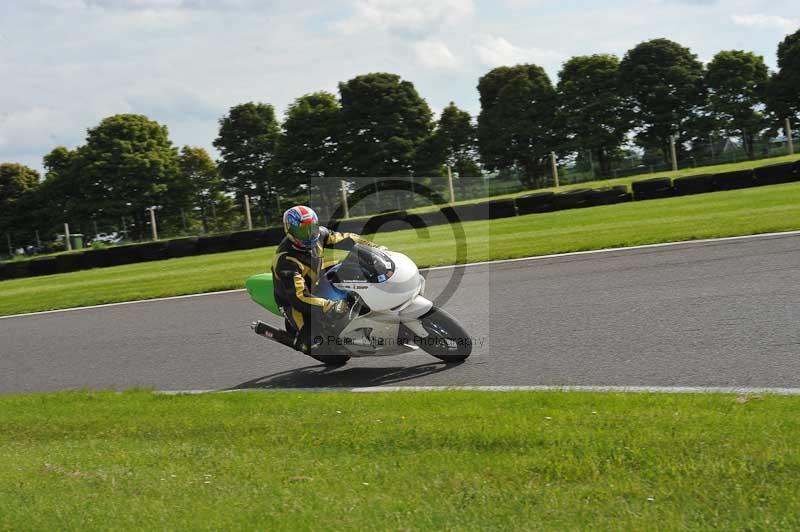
x=738 y=390
x=485 y=263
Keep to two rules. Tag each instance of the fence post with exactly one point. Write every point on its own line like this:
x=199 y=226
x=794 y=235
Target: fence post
x=344 y=200
x=554 y=167
x=377 y=194
x=153 y=227
x=38 y=241
x=66 y=237
x=10 y=249
x=450 y=184
x=247 y=212
x=788 y=128
x=672 y=153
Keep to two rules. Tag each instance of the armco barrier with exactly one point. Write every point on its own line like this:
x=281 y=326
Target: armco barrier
x=693 y=184
x=572 y=199
x=777 y=173
x=734 y=180
x=656 y=187
x=609 y=195
x=535 y=203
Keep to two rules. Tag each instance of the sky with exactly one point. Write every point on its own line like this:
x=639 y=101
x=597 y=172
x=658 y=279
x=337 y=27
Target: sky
x=66 y=64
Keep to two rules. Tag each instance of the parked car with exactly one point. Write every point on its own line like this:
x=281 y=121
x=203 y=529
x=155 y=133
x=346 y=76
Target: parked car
x=107 y=238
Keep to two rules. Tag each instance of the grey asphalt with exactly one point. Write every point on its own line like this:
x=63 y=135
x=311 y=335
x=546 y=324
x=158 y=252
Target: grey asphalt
x=721 y=313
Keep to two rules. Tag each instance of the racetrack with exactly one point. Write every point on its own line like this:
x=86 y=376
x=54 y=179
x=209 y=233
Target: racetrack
x=718 y=313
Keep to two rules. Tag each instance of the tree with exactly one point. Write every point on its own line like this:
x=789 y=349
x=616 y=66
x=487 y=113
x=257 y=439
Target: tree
x=737 y=82
x=16 y=181
x=454 y=143
x=308 y=146
x=517 y=119
x=246 y=141
x=127 y=165
x=664 y=84
x=594 y=116
x=384 y=120
x=60 y=195
x=783 y=90
x=201 y=185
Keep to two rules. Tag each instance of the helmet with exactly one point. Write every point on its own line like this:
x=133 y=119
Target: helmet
x=302 y=226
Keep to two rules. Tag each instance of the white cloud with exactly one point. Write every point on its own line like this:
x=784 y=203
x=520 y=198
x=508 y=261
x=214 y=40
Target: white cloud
x=133 y=5
x=435 y=54
x=405 y=15
x=766 y=22
x=496 y=51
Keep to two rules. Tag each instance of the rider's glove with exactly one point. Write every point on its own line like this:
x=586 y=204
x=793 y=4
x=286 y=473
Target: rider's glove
x=341 y=307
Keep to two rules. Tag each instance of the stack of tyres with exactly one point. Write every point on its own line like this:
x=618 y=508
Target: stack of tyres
x=535 y=203
x=609 y=195
x=654 y=188
x=777 y=173
x=572 y=199
x=734 y=180
x=693 y=184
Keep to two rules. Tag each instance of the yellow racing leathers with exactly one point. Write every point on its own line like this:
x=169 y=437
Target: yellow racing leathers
x=296 y=273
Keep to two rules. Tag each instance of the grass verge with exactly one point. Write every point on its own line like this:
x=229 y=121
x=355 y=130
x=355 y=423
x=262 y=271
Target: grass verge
x=719 y=214
x=398 y=461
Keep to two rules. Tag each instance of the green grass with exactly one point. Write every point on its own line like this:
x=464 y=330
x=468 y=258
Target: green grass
x=739 y=212
x=399 y=461
x=601 y=183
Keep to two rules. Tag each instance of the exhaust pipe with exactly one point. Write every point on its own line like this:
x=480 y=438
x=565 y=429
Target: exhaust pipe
x=273 y=333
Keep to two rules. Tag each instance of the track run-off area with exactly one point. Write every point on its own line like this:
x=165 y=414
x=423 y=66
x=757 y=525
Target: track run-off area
x=715 y=315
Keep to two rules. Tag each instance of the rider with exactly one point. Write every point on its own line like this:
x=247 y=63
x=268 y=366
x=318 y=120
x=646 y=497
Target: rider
x=296 y=267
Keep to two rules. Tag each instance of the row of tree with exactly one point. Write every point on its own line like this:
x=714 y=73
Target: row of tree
x=380 y=126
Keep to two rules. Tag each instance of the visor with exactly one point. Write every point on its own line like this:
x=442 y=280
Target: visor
x=308 y=233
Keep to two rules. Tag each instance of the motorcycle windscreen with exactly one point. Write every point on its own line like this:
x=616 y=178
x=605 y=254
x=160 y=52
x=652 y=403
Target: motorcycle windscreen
x=364 y=264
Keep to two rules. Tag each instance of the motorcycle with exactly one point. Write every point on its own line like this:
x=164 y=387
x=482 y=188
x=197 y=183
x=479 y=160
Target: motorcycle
x=388 y=314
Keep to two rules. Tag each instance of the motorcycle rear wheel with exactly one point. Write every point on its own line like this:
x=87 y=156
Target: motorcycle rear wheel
x=447 y=340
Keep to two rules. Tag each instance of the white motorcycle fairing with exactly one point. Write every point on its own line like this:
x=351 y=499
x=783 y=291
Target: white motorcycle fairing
x=395 y=303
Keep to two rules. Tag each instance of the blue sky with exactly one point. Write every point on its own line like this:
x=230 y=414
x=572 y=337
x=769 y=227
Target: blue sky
x=68 y=63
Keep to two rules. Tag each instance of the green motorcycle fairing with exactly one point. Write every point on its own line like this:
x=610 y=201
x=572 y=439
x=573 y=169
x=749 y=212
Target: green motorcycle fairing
x=260 y=288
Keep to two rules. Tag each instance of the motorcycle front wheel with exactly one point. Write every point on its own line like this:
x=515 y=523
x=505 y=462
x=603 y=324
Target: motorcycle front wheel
x=447 y=340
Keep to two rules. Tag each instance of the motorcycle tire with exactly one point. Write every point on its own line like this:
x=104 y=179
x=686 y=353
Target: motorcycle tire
x=446 y=340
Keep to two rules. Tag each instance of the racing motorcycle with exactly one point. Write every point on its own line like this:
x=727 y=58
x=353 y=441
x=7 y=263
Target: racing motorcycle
x=388 y=314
